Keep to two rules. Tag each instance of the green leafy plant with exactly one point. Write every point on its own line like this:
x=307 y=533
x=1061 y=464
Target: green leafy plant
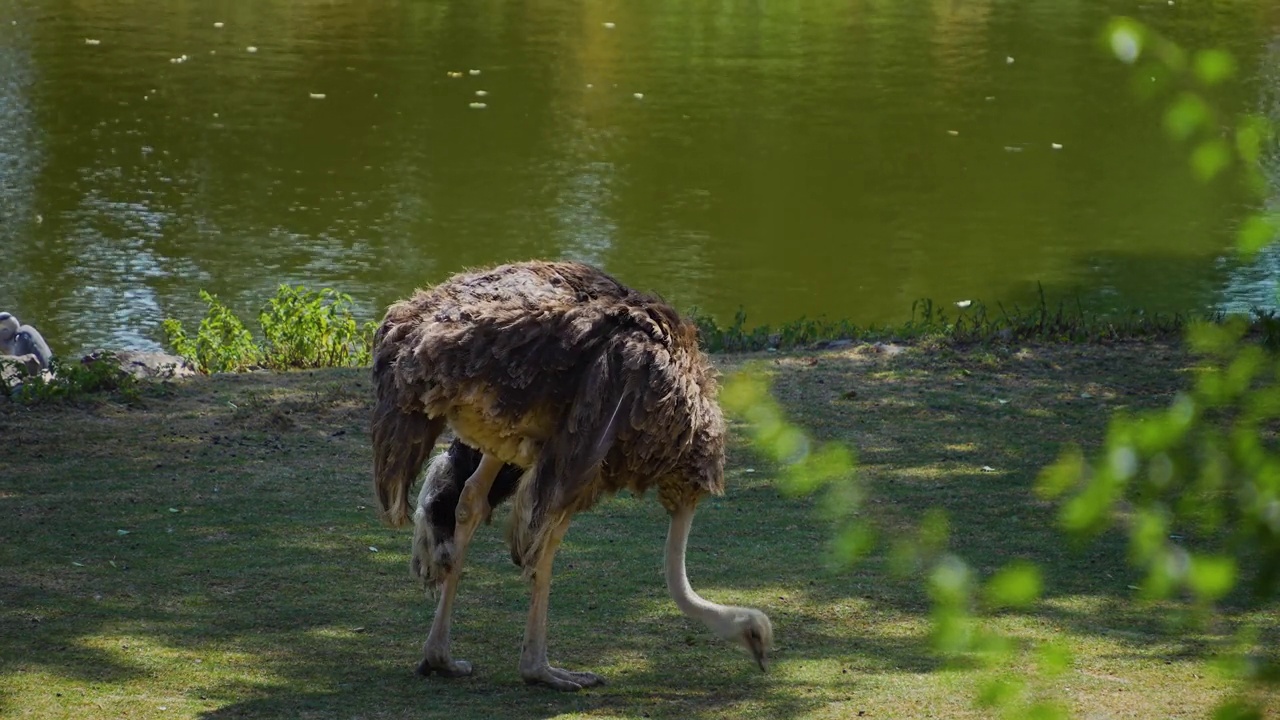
x=222 y=343
x=309 y=329
x=301 y=329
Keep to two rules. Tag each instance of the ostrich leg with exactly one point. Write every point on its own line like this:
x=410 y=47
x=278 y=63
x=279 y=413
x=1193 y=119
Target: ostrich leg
x=534 y=667
x=473 y=507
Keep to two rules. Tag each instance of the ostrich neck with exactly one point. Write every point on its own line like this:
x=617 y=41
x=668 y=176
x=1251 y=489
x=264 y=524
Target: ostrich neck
x=689 y=602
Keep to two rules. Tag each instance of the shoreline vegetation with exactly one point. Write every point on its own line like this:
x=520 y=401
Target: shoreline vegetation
x=301 y=328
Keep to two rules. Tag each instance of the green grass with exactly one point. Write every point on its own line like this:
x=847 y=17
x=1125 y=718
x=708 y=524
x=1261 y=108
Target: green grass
x=205 y=551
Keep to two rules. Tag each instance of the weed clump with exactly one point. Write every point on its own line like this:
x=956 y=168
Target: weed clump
x=301 y=328
x=66 y=381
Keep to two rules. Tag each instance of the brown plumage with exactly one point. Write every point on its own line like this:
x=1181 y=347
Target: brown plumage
x=561 y=385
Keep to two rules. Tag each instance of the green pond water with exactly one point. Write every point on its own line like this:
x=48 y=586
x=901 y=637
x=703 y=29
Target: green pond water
x=807 y=158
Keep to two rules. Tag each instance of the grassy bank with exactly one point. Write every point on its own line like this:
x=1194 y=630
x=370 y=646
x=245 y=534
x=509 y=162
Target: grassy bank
x=209 y=551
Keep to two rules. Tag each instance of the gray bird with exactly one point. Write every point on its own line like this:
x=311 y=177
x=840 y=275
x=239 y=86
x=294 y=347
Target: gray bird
x=8 y=328
x=23 y=342
x=29 y=341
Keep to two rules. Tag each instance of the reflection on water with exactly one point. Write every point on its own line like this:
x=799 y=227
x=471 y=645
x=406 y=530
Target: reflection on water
x=837 y=158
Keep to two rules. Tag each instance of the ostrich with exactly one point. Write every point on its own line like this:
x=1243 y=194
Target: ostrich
x=561 y=386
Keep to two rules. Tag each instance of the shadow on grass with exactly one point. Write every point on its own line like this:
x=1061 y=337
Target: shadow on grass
x=252 y=574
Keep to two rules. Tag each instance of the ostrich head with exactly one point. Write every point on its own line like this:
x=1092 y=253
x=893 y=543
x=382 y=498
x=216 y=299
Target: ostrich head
x=749 y=628
x=8 y=327
x=8 y=333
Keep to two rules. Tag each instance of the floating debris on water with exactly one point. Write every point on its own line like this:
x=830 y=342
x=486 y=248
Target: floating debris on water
x=953 y=133
x=1012 y=148
x=217 y=24
x=609 y=26
x=478 y=106
x=473 y=72
x=91 y=41
x=454 y=73
x=251 y=48
x=589 y=86
x=481 y=93
x=317 y=96
x=1008 y=60
x=964 y=304
x=990 y=98
x=638 y=96
x=1056 y=146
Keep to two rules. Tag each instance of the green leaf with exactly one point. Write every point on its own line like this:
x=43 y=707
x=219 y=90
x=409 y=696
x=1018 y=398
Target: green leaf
x=1147 y=538
x=1210 y=158
x=1016 y=585
x=831 y=462
x=1054 y=658
x=1062 y=475
x=744 y=390
x=949 y=581
x=1210 y=338
x=853 y=543
x=1237 y=709
x=1125 y=38
x=1087 y=512
x=1211 y=577
x=1214 y=66
x=1255 y=233
x=999 y=691
x=1187 y=114
x=1251 y=134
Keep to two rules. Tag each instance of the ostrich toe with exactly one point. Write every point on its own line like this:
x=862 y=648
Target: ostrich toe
x=561 y=679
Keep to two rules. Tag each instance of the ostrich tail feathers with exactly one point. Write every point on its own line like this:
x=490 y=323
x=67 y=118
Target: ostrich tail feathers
x=403 y=436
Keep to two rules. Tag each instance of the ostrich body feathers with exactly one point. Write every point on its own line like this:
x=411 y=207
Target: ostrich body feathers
x=553 y=367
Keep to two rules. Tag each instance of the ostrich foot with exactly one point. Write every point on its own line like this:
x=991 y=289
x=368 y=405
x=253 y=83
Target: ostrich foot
x=444 y=667
x=560 y=679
